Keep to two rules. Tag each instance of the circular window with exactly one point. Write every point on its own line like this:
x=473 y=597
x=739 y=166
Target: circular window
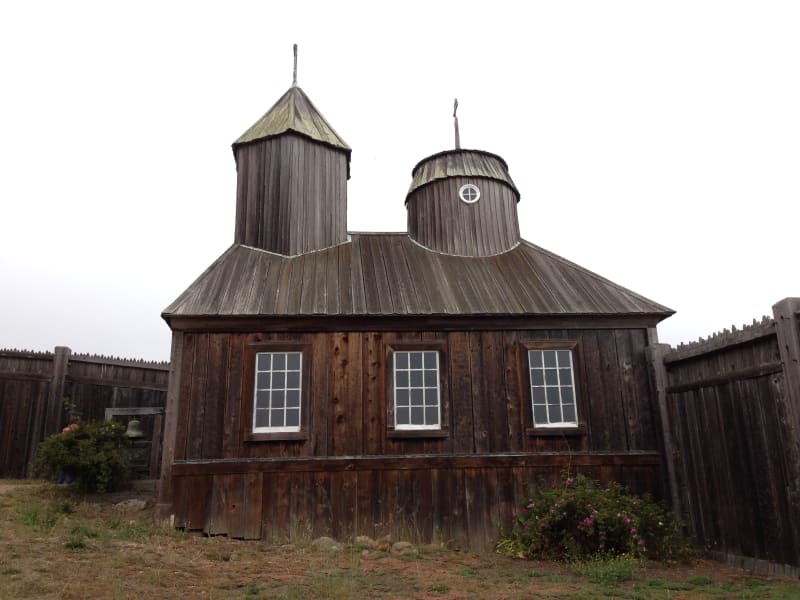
x=469 y=193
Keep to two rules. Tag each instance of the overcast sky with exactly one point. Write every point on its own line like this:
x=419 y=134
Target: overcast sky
x=655 y=143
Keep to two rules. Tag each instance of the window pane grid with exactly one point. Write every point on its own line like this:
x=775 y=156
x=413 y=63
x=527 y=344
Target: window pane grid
x=552 y=388
x=416 y=389
x=277 y=392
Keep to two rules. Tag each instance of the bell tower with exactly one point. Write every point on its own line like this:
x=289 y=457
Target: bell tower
x=292 y=171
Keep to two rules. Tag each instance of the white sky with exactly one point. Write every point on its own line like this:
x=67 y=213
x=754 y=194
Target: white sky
x=655 y=143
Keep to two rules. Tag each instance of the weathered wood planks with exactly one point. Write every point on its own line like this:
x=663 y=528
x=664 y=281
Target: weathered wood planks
x=349 y=473
x=447 y=504
x=291 y=194
x=737 y=469
x=35 y=385
x=388 y=274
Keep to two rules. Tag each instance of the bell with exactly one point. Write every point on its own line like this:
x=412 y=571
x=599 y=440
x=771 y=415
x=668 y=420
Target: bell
x=134 y=429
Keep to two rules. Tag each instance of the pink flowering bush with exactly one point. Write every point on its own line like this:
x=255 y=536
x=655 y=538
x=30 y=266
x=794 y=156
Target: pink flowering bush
x=578 y=518
x=93 y=455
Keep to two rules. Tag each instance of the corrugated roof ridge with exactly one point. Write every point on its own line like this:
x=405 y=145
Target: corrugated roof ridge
x=600 y=278
x=190 y=291
x=433 y=283
x=548 y=275
x=419 y=291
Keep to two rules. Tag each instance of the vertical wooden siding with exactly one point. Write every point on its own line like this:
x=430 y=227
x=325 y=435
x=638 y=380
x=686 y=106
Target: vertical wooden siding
x=485 y=397
x=735 y=469
x=291 y=195
x=460 y=506
x=484 y=404
x=94 y=384
x=439 y=220
x=31 y=408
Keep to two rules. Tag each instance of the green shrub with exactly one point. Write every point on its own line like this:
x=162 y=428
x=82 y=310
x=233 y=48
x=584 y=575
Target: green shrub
x=94 y=455
x=578 y=519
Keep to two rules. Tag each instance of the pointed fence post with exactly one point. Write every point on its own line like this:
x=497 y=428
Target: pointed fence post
x=47 y=419
x=54 y=409
x=165 y=498
x=658 y=376
x=787 y=328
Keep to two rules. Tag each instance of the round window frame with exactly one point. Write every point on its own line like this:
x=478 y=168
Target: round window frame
x=465 y=187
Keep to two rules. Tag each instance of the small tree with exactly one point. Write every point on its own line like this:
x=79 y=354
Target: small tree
x=95 y=455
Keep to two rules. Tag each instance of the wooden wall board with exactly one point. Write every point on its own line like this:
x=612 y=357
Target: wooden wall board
x=453 y=507
x=724 y=399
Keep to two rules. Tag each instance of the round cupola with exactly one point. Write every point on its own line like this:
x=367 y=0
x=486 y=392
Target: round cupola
x=463 y=202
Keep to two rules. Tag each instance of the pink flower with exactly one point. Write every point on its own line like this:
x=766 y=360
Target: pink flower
x=633 y=530
x=640 y=542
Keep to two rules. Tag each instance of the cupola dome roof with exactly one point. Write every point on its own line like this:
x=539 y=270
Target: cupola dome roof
x=460 y=163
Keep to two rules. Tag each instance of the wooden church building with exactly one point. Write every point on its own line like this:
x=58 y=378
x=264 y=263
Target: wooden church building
x=415 y=384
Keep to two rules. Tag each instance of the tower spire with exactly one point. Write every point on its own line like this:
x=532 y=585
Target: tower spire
x=455 y=123
x=294 y=75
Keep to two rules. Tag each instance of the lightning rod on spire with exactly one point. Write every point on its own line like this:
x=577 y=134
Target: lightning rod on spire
x=455 y=122
x=294 y=77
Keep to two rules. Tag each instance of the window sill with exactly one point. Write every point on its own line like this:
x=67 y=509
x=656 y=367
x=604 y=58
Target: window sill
x=285 y=436
x=578 y=431
x=398 y=434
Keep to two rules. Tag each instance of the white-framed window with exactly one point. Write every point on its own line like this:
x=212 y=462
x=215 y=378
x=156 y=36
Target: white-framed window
x=469 y=193
x=552 y=388
x=278 y=392
x=417 y=402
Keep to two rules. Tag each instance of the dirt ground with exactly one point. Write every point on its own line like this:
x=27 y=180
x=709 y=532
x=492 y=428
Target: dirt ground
x=56 y=545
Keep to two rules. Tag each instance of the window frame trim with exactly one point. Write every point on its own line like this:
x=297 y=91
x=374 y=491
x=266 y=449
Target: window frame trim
x=469 y=186
x=557 y=429
x=440 y=346
x=248 y=400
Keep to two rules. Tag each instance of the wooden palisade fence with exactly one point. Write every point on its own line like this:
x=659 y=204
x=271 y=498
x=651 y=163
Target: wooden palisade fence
x=38 y=390
x=732 y=408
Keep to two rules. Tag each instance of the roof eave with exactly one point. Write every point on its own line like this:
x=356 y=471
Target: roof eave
x=382 y=322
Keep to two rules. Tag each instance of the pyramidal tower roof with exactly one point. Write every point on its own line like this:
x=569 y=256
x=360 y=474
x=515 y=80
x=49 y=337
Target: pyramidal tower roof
x=294 y=112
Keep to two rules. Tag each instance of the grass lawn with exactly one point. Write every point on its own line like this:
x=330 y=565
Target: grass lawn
x=55 y=545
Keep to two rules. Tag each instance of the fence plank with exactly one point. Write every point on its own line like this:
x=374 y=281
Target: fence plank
x=732 y=413
x=35 y=385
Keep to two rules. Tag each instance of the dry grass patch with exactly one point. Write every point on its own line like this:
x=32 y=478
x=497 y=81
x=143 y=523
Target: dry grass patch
x=60 y=546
